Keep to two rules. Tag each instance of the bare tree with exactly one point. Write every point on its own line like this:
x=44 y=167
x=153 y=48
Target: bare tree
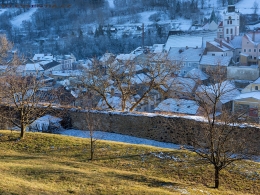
x=122 y=77
x=5 y=47
x=27 y=98
x=217 y=141
x=255 y=7
x=92 y=124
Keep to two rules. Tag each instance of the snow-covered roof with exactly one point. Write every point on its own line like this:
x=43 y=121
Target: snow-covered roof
x=181 y=84
x=105 y=57
x=178 y=106
x=158 y=48
x=196 y=73
x=253 y=36
x=257 y=81
x=67 y=73
x=254 y=95
x=244 y=54
x=185 y=54
x=217 y=46
x=125 y=57
x=183 y=41
x=215 y=60
x=140 y=78
x=33 y=67
x=227 y=90
x=236 y=42
x=114 y=101
x=38 y=57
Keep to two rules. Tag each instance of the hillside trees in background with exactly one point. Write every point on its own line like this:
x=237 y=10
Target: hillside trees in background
x=217 y=141
x=5 y=47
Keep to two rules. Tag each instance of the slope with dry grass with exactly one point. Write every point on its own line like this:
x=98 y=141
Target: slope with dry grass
x=54 y=164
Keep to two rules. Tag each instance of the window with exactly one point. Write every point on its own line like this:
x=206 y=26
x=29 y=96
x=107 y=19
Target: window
x=227 y=31
x=244 y=50
x=231 y=31
x=254 y=50
x=230 y=22
x=254 y=58
x=213 y=54
x=256 y=87
x=249 y=50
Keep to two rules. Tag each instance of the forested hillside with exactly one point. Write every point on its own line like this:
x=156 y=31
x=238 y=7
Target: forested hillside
x=90 y=28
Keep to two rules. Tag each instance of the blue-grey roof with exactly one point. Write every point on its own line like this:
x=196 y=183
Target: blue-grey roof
x=183 y=54
x=215 y=60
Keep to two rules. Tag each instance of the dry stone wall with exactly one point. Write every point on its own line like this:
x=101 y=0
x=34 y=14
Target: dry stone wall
x=155 y=127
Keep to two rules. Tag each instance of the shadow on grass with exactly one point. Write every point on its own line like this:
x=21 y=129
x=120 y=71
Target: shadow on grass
x=151 y=182
x=14 y=157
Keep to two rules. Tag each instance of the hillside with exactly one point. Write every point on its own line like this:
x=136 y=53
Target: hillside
x=91 y=28
x=54 y=164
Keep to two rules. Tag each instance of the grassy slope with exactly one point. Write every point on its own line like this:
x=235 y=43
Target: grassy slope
x=53 y=164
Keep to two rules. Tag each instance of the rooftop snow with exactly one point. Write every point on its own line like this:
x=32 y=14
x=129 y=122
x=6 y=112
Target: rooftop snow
x=183 y=41
x=236 y=42
x=196 y=73
x=33 y=67
x=257 y=81
x=254 y=95
x=183 y=54
x=178 y=106
x=215 y=60
x=227 y=90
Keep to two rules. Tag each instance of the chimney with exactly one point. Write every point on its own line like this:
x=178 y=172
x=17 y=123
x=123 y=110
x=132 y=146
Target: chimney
x=220 y=43
x=112 y=93
x=253 y=37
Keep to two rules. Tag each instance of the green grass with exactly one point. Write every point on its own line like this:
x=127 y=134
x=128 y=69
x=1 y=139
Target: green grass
x=54 y=164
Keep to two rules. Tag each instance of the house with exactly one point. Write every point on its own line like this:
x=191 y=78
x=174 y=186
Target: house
x=187 y=58
x=226 y=90
x=214 y=48
x=250 y=54
x=178 y=106
x=34 y=69
x=212 y=26
x=248 y=102
x=210 y=63
x=178 y=87
x=236 y=43
x=50 y=66
x=42 y=57
x=66 y=61
x=247 y=73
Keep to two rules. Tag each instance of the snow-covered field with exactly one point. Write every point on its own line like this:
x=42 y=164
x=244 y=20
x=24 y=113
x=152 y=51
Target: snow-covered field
x=246 y=6
x=26 y=16
x=118 y=138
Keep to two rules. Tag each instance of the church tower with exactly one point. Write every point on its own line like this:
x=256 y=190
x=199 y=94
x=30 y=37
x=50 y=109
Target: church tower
x=231 y=23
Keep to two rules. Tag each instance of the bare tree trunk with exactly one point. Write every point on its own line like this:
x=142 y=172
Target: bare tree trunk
x=216 y=177
x=91 y=148
x=23 y=129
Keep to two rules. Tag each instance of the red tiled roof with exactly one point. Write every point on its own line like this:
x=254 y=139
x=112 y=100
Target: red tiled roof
x=220 y=24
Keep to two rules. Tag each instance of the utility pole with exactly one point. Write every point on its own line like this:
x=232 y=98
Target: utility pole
x=143 y=35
